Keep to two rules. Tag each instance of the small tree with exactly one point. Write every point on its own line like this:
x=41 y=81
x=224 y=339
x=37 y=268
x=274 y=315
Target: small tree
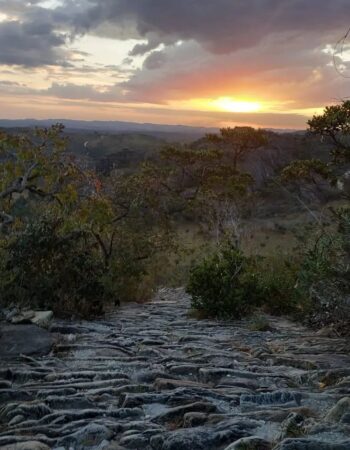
x=327 y=263
x=238 y=141
x=334 y=127
x=36 y=172
x=199 y=184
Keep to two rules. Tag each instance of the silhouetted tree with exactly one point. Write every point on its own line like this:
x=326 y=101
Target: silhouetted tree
x=239 y=141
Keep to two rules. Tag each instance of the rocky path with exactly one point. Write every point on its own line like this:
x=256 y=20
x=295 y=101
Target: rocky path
x=151 y=378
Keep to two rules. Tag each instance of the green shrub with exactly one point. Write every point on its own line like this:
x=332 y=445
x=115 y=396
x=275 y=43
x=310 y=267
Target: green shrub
x=224 y=284
x=277 y=280
x=46 y=267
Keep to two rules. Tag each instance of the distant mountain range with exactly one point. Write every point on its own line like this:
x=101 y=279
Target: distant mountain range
x=115 y=127
x=107 y=126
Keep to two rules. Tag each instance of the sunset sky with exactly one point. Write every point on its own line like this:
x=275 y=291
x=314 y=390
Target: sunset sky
x=265 y=63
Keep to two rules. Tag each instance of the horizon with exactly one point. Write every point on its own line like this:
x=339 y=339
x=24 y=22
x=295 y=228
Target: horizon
x=262 y=64
x=190 y=128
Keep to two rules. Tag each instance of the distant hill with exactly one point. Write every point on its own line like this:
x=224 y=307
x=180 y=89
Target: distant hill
x=166 y=132
x=105 y=151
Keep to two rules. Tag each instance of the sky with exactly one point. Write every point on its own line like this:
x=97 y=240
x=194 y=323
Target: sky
x=264 y=63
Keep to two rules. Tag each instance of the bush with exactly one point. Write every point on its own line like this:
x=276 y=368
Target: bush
x=224 y=285
x=47 y=267
x=277 y=280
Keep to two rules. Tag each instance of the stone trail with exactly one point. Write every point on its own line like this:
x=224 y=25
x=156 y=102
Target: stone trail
x=149 y=377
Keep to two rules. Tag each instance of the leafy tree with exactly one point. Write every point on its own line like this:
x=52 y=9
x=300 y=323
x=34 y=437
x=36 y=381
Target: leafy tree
x=60 y=222
x=38 y=171
x=326 y=261
x=199 y=184
x=238 y=141
x=334 y=127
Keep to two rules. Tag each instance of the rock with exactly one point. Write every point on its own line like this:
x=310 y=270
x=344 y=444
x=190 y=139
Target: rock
x=228 y=388
x=293 y=426
x=346 y=418
x=24 y=339
x=175 y=414
x=311 y=444
x=89 y=436
x=164 y=383
x=23 y=317
x=113 y=446
x=250 y=443
x=42 y=318
x=273 y=398
x=134 y=442
x=30 y=410
x=30 y=445
x=336 y=413
x=201 y=438
x=15 y=420
x=194 y=419
x=9 y=313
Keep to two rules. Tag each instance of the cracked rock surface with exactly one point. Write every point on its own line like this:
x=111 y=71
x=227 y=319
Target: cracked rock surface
x=149 y=377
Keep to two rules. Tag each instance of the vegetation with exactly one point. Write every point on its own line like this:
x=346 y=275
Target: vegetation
x=69 y=241
x=239 y=141
x=228 y=284
x=75 y=241
x=224 y=284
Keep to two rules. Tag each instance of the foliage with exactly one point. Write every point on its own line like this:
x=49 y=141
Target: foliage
x=199 y=185
x=325 y=261
x=277 y=279
x=334 y=126
x=228 y=284
x=342 y=217
x=114 y=228
x=69 y=240
x=310 y=171
x=36 y=168
x=224 y=284
x=238 y=141
x=48 y=267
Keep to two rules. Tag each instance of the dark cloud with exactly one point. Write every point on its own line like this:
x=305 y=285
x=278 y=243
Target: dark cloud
x=221 y=26
x=29 y=44
x=34 y=36
x=230 y=46
x=155 y=60
x=192 y=48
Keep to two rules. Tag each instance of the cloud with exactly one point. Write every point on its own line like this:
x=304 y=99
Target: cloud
x=81 y=92
x=279 y=70
x=222 y=26
x=252 y=48
x=30 y=45
x=269 y=50
x=155 y=60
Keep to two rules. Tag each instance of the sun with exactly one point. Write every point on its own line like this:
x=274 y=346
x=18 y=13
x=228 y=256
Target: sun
x=239 y=106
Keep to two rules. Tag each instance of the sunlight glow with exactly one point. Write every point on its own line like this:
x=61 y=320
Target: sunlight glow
x=240 y=106
x=4 y=17
x=50 y=4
